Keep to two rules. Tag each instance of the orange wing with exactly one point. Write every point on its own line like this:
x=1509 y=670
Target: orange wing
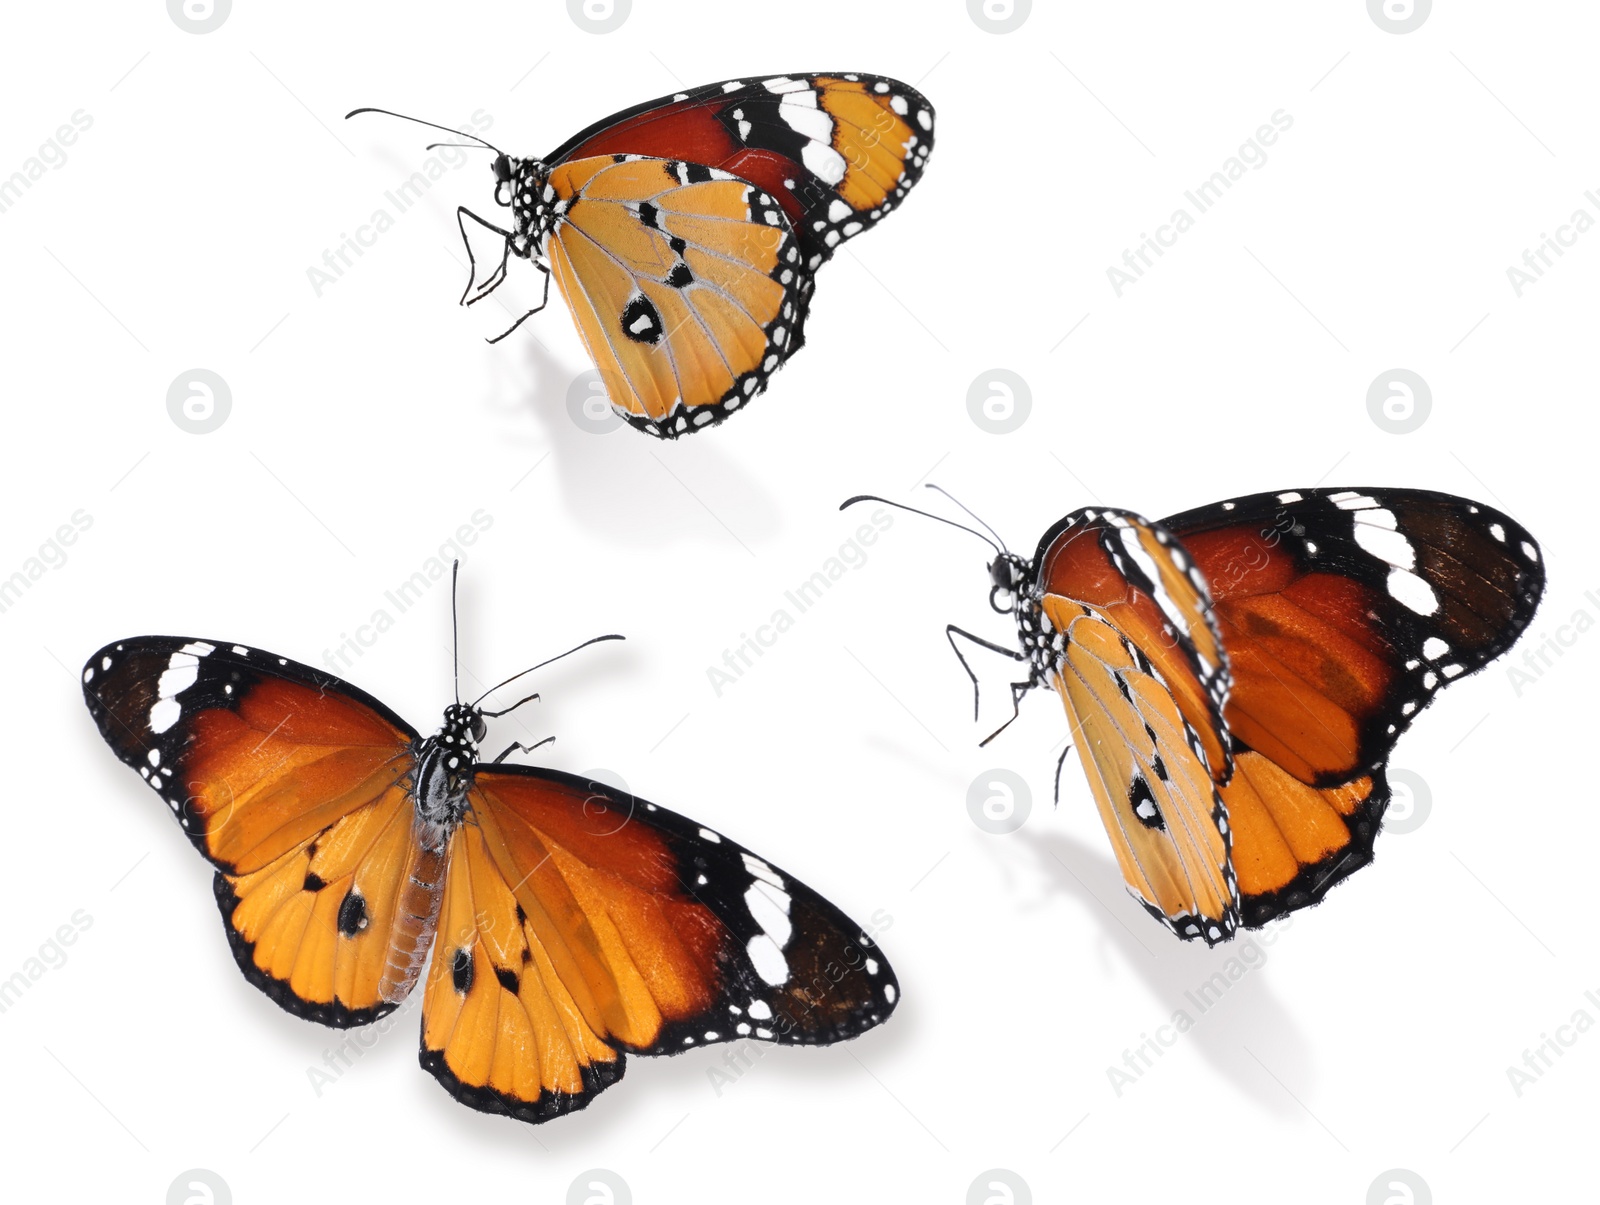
x=579 y=923
x=1125 y=629
x=685 y=282
x=1343 y=611
x=293 y=784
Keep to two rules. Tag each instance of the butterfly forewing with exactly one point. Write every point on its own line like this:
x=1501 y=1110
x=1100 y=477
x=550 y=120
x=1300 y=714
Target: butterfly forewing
x=837 y=150
x=1131 y=651
x=1343 y=611
x=294 y=785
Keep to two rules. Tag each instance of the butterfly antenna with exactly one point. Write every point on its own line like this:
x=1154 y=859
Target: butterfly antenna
x=542 y=664
x=968 y=510
x=447 y=129
x=455 y=629
x=926 y=515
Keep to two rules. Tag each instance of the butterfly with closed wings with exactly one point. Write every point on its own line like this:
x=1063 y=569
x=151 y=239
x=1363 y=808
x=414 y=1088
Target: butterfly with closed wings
x=1236 y=676
x=685 y=233
x=570 y=923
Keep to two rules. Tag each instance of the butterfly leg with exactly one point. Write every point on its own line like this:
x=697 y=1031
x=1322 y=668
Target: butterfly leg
x=1059 y=763
x=543 y=301
x=498 y=276
x=950 y=634
x=506 y=752
x=1018 y=689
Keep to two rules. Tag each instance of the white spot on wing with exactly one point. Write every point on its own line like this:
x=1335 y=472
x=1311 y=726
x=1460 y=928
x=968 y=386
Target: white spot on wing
x=823 y=162
x=768 y=961
x=1411 y=591
x=769 y=907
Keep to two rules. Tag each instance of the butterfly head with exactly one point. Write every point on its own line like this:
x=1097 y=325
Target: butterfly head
x=1009 y=575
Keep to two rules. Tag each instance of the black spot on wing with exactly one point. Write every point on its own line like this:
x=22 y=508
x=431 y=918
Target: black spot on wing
x=461 y=970
x=1144 y=806
x=352 y=913
x=641 y=321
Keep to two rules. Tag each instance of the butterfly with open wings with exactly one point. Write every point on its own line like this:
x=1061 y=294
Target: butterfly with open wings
x=1236 y=676
x=569 y=923
x=685 y=233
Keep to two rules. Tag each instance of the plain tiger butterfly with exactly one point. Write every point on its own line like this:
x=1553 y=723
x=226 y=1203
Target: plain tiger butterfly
x=685 y=233
x=1236 y=676
x=570 y=923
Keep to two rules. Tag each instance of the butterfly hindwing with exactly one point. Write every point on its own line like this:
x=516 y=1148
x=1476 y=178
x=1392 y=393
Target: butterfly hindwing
x=686 y=284
x=294 y=785
x=327 y=930
x=1292 y=842
x=604 y=924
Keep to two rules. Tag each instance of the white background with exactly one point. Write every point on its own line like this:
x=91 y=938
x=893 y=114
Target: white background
x=371 y=421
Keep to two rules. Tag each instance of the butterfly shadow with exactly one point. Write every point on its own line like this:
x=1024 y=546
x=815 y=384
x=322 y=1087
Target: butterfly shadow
x=627 y=485
x=1234 y=1019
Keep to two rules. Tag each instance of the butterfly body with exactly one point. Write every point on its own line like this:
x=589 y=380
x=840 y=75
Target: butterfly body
x=554 y=924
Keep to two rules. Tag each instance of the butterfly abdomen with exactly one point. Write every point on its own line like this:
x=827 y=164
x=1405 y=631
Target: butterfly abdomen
x=416 y=917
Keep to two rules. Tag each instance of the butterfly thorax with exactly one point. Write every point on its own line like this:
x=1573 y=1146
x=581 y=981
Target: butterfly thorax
x=526 y=188
x=446 y=762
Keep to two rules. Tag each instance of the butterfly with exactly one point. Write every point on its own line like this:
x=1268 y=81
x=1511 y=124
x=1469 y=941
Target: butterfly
x=570 y=923
x=685 y=233
x=1236 y=676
